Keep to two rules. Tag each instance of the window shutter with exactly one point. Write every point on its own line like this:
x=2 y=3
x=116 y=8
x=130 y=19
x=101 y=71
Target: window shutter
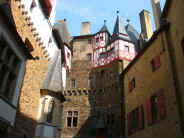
x=49 y=3
x=161 y=107
x=157 y=61
x=129 y=87
x=129 y=123
x=148 y=111
x=140 y=116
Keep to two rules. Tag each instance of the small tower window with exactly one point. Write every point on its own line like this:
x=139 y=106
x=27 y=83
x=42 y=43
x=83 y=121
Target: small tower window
x=89 y=56
x=73 y=83
x=89 y=41
x=101 y=38
x=126 y=48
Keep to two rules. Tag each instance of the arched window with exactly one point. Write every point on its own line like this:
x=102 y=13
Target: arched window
x=50 y=111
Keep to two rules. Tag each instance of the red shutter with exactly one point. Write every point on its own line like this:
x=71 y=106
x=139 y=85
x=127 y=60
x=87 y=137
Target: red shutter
x=148 y=112
x=48 y=11
x=49 y=3
x=129 y=87
x=157 y=62
x=161 y=107
x=129 y=123
x=140 y=116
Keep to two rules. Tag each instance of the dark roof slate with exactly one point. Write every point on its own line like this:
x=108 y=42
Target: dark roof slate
x=64 y=33
x=119 y=29
x=53 y=77
x=134 y=36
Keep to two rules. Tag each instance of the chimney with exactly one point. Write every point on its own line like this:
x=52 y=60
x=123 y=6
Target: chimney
x=156 y=12
x=146 y=25
x=85 y=28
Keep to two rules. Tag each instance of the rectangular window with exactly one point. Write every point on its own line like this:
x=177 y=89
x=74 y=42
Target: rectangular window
x=89 y=41
x=9 y=68
x=72 y=119
x=102 y=55
x=131 y=85
x=112 y=51
x=135 y=120
x=75 y=119
x=89 y=56
x=155 y=108
x=155 y=63
x=126 y=48
x=101 y=38
x=97 y=40
x=73 y=83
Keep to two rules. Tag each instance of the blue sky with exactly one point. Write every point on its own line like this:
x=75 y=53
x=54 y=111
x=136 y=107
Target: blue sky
x=95 y=11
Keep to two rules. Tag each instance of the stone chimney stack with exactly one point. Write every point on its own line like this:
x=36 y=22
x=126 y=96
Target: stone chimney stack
x=146 y=25
x=156 y=12
x=85 y=28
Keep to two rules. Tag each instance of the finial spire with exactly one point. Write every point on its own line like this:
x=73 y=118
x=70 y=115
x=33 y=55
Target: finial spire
x=105 y=21
x=117 y=12
x=128 y=21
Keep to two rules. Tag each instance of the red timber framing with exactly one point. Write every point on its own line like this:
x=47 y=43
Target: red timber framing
x=105 y=54
x=68 y=57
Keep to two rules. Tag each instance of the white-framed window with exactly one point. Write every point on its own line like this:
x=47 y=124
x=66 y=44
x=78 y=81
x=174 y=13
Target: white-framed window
x=72 y=119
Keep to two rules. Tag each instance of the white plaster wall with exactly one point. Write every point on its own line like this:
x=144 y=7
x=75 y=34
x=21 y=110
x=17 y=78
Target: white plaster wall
x=64 y=76
x=42 y=24
x=7 y=112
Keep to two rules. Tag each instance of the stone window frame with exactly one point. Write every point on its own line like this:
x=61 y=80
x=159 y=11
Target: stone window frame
x=72 y=116
x=73 y=83
x=7 y=62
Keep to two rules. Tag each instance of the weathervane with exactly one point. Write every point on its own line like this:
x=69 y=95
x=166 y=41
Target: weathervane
x=105 y=21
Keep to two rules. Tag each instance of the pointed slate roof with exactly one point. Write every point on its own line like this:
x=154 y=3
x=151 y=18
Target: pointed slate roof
x=119 y=29
x=64 y=33
x=104 y=28
x=134 y=35
x=53 y=78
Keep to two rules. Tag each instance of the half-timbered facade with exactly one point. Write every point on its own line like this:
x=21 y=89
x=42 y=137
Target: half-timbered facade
x=108 y=49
